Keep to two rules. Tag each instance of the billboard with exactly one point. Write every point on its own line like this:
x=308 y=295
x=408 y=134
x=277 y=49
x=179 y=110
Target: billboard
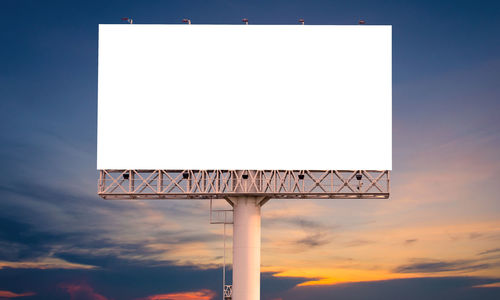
x=261 y=97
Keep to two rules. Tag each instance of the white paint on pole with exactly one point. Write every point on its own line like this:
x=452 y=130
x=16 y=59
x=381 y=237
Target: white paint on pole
x=174 y=96
x=246 y=248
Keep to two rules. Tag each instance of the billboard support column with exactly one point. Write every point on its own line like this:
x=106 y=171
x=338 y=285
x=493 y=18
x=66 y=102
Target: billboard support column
x=246 y=247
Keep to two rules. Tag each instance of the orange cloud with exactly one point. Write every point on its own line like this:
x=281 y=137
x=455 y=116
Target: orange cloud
x=340 y=262
x=489 y=285
x=82 y=290
x=9 y=295
x=320 y=276
x=199 y=295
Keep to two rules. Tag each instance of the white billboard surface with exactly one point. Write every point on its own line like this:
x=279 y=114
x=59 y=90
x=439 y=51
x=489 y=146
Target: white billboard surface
x=257 y=97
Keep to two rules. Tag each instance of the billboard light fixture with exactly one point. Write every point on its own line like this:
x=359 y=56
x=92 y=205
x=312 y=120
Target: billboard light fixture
x=129 y=20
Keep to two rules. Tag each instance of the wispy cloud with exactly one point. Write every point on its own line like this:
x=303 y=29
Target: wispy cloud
x=488 y=285
x=358 y=243
x=410 y=241
x=199 y=295
x=10 y=295
x=437 y=266
x=489 y=251
x=44 y=264
x=314 y=240
x=297 y=221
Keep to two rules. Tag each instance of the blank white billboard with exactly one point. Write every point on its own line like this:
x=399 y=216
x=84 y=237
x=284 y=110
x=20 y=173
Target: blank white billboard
x=244 y=97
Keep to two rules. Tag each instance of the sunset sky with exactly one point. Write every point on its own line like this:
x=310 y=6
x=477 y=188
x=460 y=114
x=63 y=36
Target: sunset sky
x=437 y=237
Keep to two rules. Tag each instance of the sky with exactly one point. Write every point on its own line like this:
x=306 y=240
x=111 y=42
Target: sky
x=437 y=237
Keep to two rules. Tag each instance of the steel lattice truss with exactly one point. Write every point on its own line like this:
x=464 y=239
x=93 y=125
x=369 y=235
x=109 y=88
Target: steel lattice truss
x=220 y=184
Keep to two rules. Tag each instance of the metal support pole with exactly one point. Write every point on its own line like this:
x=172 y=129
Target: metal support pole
x=224 y=262
x=159 y=188
x=246 y=247
x=131 y=181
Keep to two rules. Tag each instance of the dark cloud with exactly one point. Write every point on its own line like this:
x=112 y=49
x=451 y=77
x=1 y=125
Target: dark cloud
x=410 y=241
x=300 y=222
x=126 y=280
x=119 y=280
x=44 y=221
x=183 y=236
x=314 y=240
x=475 y=235
x=357 y=243
x=273 y=287
x=23 y=241
x=490 y=251
x=436 y=266
x=457 y=288
x=317 y=233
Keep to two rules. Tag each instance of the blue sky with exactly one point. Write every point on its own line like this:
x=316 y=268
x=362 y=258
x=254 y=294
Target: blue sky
x=441 y=227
